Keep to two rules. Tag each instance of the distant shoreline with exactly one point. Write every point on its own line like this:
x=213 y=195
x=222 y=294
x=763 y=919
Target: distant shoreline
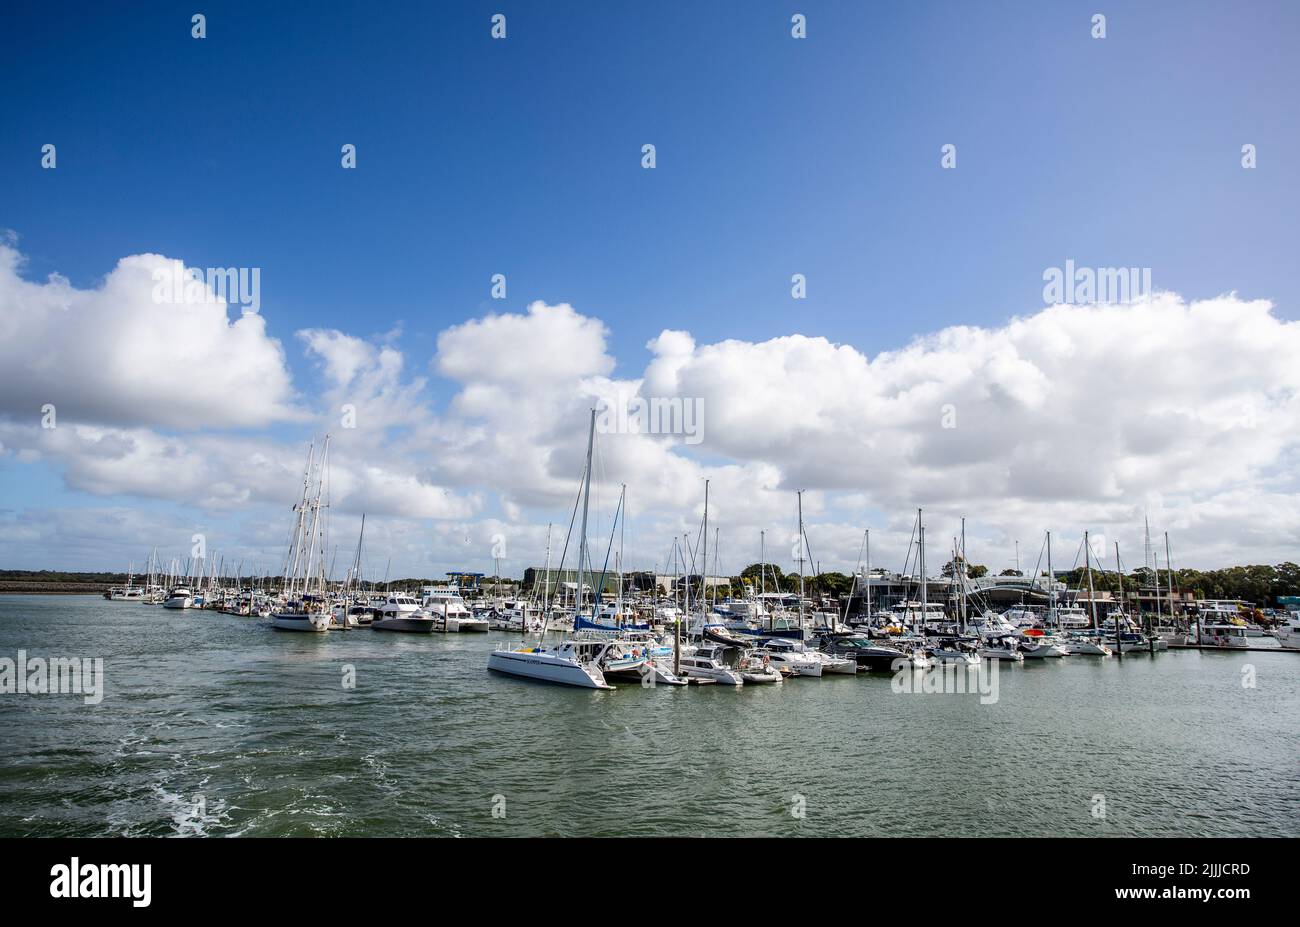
x=19 y=587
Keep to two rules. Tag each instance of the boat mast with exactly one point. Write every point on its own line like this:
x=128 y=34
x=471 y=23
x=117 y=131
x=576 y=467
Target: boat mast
x=582 y=538
x=622 y=531
x=546 y=581
x=715 y=566
x=920 y=544
x=961 y=620
x=1087 y=563
x=677 y=618
x=704 y=559
x=868 y=576
x=1169 y=568
x=1051 y=585
x=799 y=496
x=1119 y=574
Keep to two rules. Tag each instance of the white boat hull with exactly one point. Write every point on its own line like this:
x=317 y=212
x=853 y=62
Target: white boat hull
x=547 y=667
x=298 y=621
x=408 y=623
x=724 y=676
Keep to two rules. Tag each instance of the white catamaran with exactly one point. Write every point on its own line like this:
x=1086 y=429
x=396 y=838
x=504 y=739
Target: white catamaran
x=572 y=662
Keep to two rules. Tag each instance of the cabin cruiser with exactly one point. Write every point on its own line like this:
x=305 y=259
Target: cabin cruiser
x=1001 y=648
x=1288 y=633
x=1023 y=616
x=447 y=605
x=790 y=658
x=909 y=614
x=868 y=654
x=834 y=665
x=516 y=616
x=1035 y=645
x=179 y=597
x=572 y=662
x=401 y=612
x=1086 y=643
x=991 y=625
x=1228 y=636
x=125 y=594
x=725 y=636
x=1071 y=616
x=706 y=663
x=355 y=615
x=952 y=650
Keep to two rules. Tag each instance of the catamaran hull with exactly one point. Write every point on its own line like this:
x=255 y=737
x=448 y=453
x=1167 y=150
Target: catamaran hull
x=547 y=669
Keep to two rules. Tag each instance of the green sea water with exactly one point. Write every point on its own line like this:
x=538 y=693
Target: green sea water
x=217 y=725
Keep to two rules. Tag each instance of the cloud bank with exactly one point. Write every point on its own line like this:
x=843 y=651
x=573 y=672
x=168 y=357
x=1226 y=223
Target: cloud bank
x=1064 y=418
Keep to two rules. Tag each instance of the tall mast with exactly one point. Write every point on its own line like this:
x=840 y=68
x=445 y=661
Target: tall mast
x=622 y=530
x=1119 y=574
x=961 y=620
x=920 y=544
x=704 y=559
x=677 y=618
x=586 y=497
x=546 y=582
x=868 y=576
x=715 y=565
x=1087 y=562
x=1051 y=585
x=1169 y=568
x=799 y=495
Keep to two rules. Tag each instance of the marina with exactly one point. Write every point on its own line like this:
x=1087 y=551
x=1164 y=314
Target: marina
x=216 y=724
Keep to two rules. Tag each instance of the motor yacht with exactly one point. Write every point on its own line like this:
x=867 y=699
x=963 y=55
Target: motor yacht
x=706 y=663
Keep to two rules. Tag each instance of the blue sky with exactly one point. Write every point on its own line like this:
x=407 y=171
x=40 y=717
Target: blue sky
x=775 y=157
